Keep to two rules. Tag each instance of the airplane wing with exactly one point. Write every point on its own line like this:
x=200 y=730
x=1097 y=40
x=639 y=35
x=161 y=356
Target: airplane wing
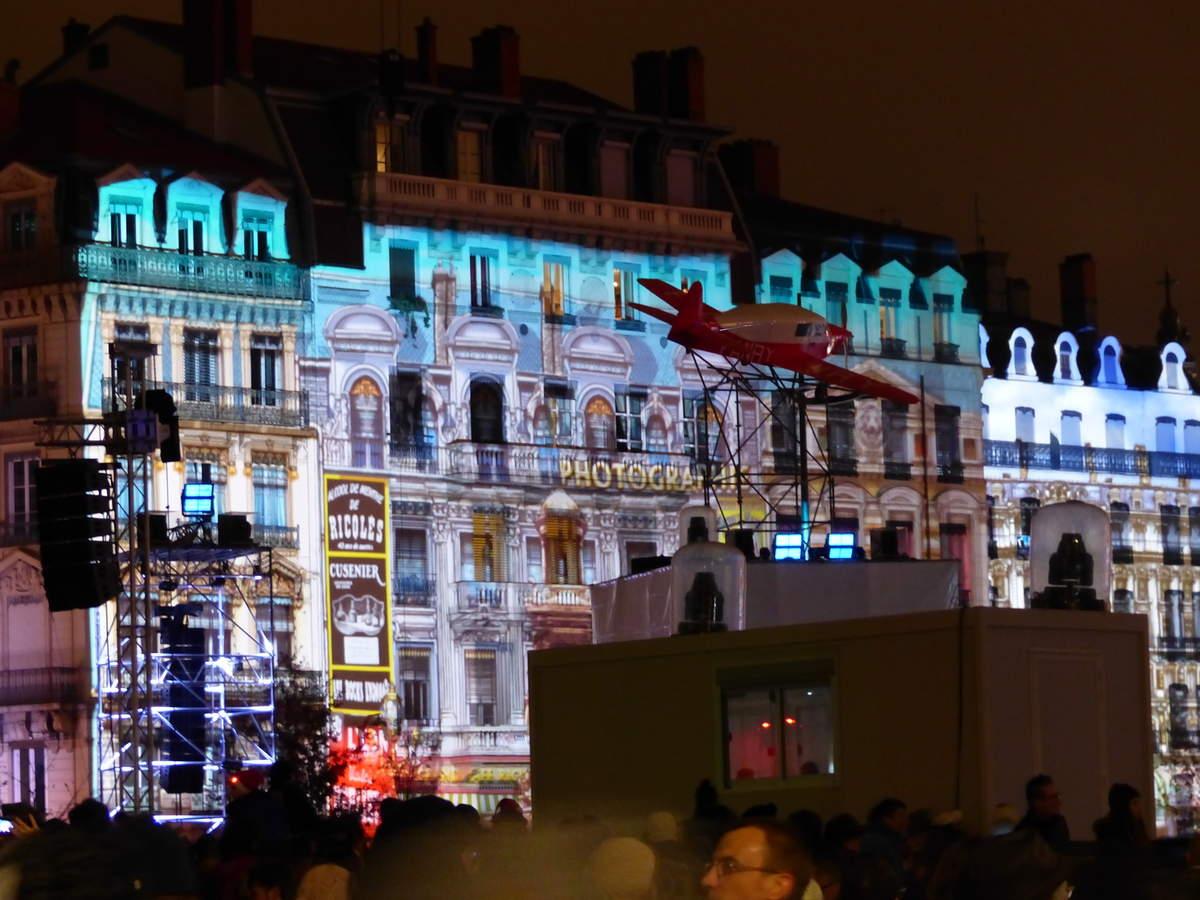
x=691 y=330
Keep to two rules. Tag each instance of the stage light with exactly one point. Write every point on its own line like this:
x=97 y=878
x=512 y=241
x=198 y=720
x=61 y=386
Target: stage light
x=789 y=546
x=840 y=545
x=765 y=725
x=790 y=720
x=198 y=500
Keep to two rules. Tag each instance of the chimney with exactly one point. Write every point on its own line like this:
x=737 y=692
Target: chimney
x=650 y=83
x=686 y=92
x=74 y=35
x=752 y=167
x=1077 y=283
x=10 y=99
x=239 y=38
x=427 y=63
x=986 y=272
x=218 y=41
x=495 y=58
x=391 y=73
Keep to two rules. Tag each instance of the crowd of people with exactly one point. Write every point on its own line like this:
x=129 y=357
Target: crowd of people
x=274 y=846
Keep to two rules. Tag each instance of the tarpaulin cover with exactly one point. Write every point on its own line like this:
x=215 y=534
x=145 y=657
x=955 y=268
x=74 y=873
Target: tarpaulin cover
x=639 y=606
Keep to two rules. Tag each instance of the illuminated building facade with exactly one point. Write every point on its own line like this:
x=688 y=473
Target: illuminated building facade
x=1074 y=415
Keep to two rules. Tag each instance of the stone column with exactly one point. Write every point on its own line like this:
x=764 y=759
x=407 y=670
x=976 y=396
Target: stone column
x=451 y=697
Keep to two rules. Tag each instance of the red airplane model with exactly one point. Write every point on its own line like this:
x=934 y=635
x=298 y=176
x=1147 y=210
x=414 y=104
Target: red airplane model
x=764 y=334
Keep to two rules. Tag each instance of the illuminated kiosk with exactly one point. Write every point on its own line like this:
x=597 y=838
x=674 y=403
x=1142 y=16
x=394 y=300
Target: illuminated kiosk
x=952 y=709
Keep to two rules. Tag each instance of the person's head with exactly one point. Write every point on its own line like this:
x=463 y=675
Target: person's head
x=807 y=826
x=891 y=814
x=761 y=861
x=622 y=869
x=508 y=815
x=843 y=834
x=661 y=828
x=1124 y=801
x=1042 y=797
x=267 y=881
x=91 y=816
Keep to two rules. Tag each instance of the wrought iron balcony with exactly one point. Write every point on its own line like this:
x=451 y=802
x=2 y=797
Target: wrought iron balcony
x=18 y=532
x=950 y=472
x=1176 y=648
x=149 y=267
x=29 y=687
x=945 y=353
x=573 y=466
x=1062 y=457
x=842 y=465
x=28 y=401
x=411 y=589
x=1174 y=465
x=897 y=470
x=281 y=537
x=220 y=403
x=893 y=348
x=1122 y=554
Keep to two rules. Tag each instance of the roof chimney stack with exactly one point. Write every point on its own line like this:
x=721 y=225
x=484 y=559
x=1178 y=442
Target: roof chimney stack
x=74 y=36
x=650 y=83
x=10 y=98
x=686 y=92
x=218 y=41
x=1077 y=283
x=495 y=57
x=427 y=62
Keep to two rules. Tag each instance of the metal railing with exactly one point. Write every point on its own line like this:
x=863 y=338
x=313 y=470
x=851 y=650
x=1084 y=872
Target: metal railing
x=945 y=353
x=18 y=532
x=28 y=401
x=413 y=590
x=1064 y=457
x=893 y=348
x=896 y=470
x=281 y=537
x=221 y=403
x=1174 y=648
x=21 y=687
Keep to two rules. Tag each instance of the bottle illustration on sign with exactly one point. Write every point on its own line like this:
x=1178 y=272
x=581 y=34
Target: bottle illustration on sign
x=354 y=616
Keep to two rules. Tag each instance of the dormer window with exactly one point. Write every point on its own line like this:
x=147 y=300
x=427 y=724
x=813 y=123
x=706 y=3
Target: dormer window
x=256 y=236
x=1020 y=356
x=1064 y=361
x=123 y=222
x=546 y=155
x=20 y=226
x=1171 y=367
x=1109 y=365
x=469 y=150
x=192 y=224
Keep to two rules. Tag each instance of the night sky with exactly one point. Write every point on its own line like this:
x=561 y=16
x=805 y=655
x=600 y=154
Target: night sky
x=1075 y=123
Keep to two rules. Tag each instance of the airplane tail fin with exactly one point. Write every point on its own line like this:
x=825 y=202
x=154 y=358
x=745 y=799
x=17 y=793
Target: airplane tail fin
x=688 y=304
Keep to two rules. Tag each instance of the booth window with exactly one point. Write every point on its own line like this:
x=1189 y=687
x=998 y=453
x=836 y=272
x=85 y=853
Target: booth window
x=777 y=732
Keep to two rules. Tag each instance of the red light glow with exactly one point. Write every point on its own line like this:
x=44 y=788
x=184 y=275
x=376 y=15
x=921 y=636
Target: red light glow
x=790 y=720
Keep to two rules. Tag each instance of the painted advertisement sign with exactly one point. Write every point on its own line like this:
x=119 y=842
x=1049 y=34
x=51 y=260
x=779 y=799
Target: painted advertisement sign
x=358 y=597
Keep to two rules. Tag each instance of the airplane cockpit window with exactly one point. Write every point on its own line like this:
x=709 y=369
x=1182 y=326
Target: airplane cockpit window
x=802 y=329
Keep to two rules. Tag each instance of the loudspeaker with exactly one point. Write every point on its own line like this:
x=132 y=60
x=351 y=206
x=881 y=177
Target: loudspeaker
x=233 y=530
x=641 y=564
x=75 y=515
x=885 y=543
x=159 y=536
x=743 y=540
x=184 y=736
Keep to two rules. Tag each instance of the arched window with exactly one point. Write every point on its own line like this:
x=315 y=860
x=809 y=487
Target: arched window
x=366 y=424
x=1020 y=356
x=598 y=424
x=1109 y=365
x=1172 y=366
x=487 y=412
x=1064 y=361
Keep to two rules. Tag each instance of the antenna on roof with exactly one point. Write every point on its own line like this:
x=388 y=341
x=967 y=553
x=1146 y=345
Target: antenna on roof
x=980 y=243
x=1167 y=283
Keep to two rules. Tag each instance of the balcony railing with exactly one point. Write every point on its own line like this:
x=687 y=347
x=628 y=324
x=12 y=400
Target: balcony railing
x=18 y=532
x=534 y=595
x=897 y=471
x=945 y=353
x=573 y=466
x=28 y=401
x=149 y=267
x=842 y=465
x=413 y=590
x=484 y=595
x=950 y=472
x=220 y=403
x=893 y=348
x=1061 y=457
x=20 y=687
x=281 y=537
x=543 y=209
x=1175 y=648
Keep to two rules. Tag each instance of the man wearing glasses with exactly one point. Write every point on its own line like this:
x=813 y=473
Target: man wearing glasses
x=763 y=861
